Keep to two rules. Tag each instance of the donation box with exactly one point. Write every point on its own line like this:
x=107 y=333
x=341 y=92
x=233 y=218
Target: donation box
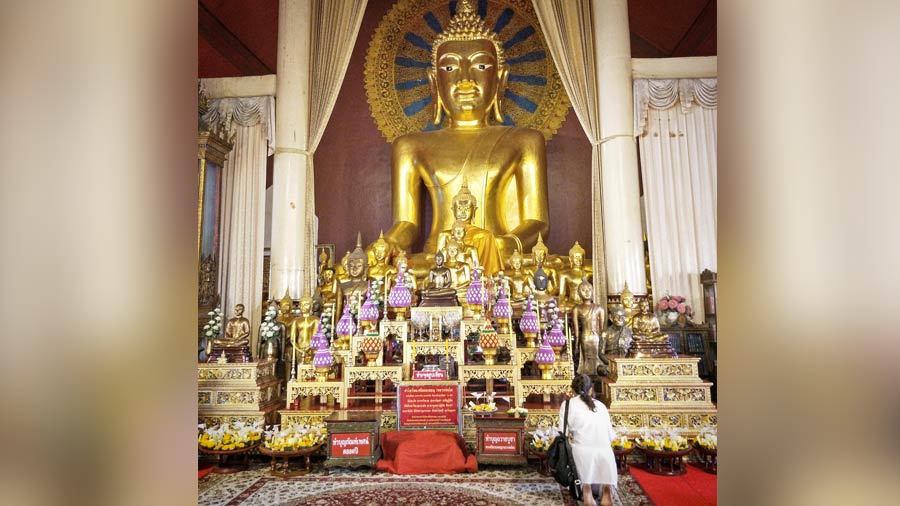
x=353 y=439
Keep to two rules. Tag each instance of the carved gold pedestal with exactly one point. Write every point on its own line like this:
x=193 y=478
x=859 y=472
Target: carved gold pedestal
x=658 y=392
x=325 y=391
x=246 y=392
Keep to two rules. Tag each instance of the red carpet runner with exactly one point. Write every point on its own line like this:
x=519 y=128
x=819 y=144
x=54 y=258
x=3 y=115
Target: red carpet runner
x=696 y=488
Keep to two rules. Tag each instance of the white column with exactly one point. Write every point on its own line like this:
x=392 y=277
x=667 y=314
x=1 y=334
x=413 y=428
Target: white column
x=288 y=265
x=618 y=151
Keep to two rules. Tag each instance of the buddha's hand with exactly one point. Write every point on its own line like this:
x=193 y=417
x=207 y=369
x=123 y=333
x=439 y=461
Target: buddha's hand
x=507 y=244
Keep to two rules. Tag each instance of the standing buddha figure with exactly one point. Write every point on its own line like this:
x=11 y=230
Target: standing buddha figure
x=330 y=290
x=505 y=166
x=588 y=320
x=302 y=329
x=571 y=278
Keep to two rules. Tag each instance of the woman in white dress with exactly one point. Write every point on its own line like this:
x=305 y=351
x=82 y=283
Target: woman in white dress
x=591 y=434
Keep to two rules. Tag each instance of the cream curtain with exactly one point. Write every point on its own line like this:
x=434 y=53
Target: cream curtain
x=251 y=121
x=569 y=33
x=335 y=26
x=675 y=120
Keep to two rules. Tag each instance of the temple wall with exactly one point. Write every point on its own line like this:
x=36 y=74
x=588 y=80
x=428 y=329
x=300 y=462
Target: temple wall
x=353 y=160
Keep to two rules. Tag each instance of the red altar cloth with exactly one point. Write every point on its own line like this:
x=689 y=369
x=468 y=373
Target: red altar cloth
x=425 y=451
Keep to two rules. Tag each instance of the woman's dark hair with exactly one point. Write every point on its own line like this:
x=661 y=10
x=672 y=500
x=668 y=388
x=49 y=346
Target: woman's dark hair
x=582 y=385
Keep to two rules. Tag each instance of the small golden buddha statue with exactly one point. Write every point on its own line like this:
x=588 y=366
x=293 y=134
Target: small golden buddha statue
x=461 y=271
x=467 y=253
x=302 y=329
x=284 y=310
x=588 y=320
x=330 y=290
x=519 y=284
x=571 y=278
x=628 y=303
x=542 y=278
x=380 y=267
x=356 y=283
x=506 y=167
x=649 y=341
x=439 y=289
x=340 y=270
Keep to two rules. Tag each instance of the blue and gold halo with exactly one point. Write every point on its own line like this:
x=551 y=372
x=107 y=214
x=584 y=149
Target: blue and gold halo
x=400 y=53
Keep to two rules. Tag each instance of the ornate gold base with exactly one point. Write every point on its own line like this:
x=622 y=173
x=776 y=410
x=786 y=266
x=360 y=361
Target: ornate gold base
x=371 y=358
x=652 y=349
x=530 y=340
x=489 y=354
x=546 y=371
x=400 y=314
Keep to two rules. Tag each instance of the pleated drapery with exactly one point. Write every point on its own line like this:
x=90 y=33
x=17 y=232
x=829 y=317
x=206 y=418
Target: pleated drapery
x=335 y=26
x=675 y=120
x=569 y=33
x=242 y=222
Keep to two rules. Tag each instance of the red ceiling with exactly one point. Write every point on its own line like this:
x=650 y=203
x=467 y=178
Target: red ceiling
x=240 y=37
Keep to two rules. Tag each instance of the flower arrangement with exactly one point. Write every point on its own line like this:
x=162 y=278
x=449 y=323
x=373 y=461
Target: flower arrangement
x=669 y=440
x=708 y=438
x=229 y=436
x=671 y=307
x=542 y=437
x=517 y=412
x=213 y=327
x=488 y=406
x=377 y=287
x=296 y=437
x=327 y=315
x=270 y=330
x=621 y=441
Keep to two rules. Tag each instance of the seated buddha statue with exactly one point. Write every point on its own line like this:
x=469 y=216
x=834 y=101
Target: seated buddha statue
x=629 y=305
x=379 y=265
x=649 y=341
x=615 y=340
x=542 y=278
x=519 y=286
x=356 y=283
x=461 y=272
x=505 y=166
x=571 y=278
x=235 y=343
x=467 y=253
x=439 y=289
x=340 y=270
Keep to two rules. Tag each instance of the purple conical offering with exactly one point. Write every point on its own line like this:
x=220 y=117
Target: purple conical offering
x=545 y=354
x=400 y=296
x=345 y=326
x=369 y=310
x=555 y=338
x=502 y=310
x=319 y=341
x=529 y=324
x=323 y=358
x=475 y=293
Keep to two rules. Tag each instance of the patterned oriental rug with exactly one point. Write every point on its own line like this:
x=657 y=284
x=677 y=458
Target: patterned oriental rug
x=490 y=486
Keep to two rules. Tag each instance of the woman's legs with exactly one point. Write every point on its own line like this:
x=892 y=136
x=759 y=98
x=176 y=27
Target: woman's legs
x=606 y=498
x=588 y=495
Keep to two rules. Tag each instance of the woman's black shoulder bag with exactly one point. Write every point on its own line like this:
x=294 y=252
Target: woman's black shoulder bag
x=561 y=461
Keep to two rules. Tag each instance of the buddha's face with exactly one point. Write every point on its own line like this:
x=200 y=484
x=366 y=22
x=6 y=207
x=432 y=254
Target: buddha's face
x=452 y=250
x=380 y=251
x=645 y=307
x=577 y=259
x=516 y=262
x=355 y=267
x=618 y=317
x=463 y=210
x=286 y=307
x=305 y=307
x=539 y=256
x=585 y=291
x=459 y=233
x=327 y=276
x=467 y=78
x=238 y=310
x=627 y=300
x=438 y=259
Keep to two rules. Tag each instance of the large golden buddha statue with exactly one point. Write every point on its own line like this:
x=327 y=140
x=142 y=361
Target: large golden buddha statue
x=505 y=167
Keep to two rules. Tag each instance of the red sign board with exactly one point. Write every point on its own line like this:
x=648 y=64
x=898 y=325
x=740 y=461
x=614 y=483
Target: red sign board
x=500 y=442
x=351 y=444
x=438 y=375
x=429 y=406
